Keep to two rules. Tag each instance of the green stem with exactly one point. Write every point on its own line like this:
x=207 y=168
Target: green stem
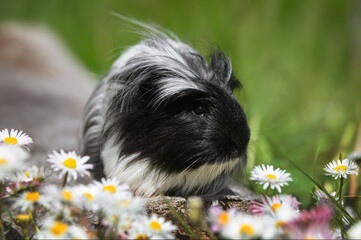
x=340 y=193
x=25 y=232
x=340 y=225
x=340 y=156
x=65 y=179
x=32 y=219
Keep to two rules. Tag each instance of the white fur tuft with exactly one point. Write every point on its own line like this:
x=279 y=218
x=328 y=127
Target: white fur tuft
x=146 y=181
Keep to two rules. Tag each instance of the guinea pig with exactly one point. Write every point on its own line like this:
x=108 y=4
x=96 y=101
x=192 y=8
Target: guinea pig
x=165 y=120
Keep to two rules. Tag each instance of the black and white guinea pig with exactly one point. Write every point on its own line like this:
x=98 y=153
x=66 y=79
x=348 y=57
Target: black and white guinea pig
x=165 y=120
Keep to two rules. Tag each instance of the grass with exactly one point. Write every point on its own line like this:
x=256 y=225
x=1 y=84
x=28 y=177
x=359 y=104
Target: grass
x=298 y=62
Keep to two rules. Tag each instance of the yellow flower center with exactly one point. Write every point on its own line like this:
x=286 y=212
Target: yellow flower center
x=155 y=225
x=141 y=237
x=27 y=174
x=114 y=217
x=269 y=176
x=276 y=206
x=280 y=224
x=223 y=218
x=23 y=218
x=126 y=227
x=110 y=188
x=70 y=163
x=3 y=161
x=246 y=229
x=32 y=196
x=67 y=196
x=59 y=228
x=11 y=140
x=89 y=196
x=341 y=167
x=125 y=203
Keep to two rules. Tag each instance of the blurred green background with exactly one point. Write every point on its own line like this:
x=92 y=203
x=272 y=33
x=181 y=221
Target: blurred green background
x=299 y=62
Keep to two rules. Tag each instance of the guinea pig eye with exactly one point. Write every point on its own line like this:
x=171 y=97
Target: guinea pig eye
x=198 y=110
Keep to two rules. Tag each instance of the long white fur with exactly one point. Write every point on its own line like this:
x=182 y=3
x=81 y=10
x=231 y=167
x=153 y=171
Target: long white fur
x=148 y=182
x=149 y=56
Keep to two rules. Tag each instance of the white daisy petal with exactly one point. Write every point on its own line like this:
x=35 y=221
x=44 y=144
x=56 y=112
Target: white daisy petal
x=244 y=226
x=53 y=229
x=156 y=227
x=15 y=138
x=28 y=200
x=12 y=159
x=69 y=162
x=355 y=231
x=268 y=177
x=32 y=174
x=341 y=168
x=111 y=186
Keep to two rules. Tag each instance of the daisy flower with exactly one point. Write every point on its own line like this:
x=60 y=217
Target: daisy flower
x=137 y=232
x=69 y=162
x=272 y=205
x=158 y=227
x=125 y=204
x=59 y=197
x=85 y=196
x=315 y=224
x=270 y=177
x=15 y=138
x=28 y=200
x=218 y=217
x=280 y=208
x=341 y=168
x=245 y=226
x=53 y=229
x=32 y=174
x=323 y=200
x=283 y=215
x=67 y=195
x=115 y=199
x=11 y=160
x=120 y=222
x=111 y=186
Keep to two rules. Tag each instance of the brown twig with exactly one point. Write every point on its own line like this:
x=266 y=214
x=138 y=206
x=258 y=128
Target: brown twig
x=353 y=181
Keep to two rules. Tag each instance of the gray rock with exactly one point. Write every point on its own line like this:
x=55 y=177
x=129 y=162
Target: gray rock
x=42 y=89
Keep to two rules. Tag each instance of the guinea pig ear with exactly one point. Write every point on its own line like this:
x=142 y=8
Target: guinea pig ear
x=234 y=83
x=222 y=67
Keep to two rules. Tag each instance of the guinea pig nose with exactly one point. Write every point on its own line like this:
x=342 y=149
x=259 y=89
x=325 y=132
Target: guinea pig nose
x=239 y=135
x=241 y=140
